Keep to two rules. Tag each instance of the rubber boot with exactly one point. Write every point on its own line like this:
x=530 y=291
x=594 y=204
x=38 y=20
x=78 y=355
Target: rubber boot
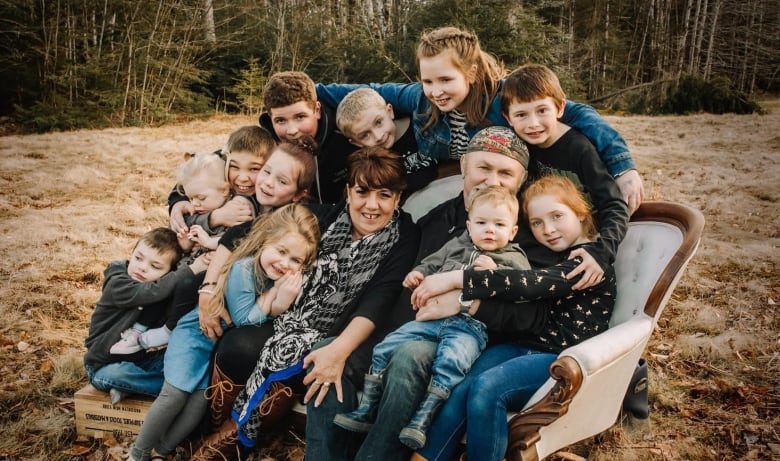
x=221 y=445
x=221 y=394
x=364 y=416
x=413 y=435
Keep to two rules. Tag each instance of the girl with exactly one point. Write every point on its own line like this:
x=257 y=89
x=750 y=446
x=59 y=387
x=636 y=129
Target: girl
x=460 y=92
x=261 y=279
x=507 y=375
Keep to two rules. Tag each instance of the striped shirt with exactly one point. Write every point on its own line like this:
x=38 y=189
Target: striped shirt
x=459 y=139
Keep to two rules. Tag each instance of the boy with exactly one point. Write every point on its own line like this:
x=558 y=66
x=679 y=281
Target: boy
x=292 y=110
x=135 y=290
x=491 y=225
x=367 y=120
x=532 y=102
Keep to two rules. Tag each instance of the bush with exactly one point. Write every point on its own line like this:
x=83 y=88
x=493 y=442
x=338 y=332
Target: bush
x=694 y=94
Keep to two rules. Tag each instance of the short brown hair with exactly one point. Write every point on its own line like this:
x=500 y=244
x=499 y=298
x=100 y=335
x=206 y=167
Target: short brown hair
x=163 y=240
x=376 y=168
x=287 y=88
x=252 y=139
x=530 y=82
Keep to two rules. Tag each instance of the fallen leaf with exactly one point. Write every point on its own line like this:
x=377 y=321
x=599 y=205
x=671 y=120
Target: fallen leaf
x=22 y=346
x=77 y=450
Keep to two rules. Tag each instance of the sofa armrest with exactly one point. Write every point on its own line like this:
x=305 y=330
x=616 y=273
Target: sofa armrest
x=567 y=408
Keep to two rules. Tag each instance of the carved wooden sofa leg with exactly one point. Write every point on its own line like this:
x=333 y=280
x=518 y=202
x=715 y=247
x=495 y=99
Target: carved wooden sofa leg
x=524 y=426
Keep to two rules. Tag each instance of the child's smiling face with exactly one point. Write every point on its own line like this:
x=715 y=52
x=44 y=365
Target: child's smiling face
x=277 y=183
x=444 y=84
x=243 y=168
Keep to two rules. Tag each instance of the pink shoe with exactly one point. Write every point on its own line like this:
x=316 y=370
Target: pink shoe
x=128 y=344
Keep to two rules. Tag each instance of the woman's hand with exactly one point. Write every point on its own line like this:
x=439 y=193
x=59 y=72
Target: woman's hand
x=210 y=316
x=593 y=274
x=436 y=284
x=328 y=368
x=440 y=307
x=178 y=210
x=236 y=211
x=630 y=185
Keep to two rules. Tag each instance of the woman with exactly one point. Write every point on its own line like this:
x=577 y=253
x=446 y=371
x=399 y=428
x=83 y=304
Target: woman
x=366 y=249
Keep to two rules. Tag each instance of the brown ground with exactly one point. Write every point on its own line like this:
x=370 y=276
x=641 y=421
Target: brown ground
x=70 y=202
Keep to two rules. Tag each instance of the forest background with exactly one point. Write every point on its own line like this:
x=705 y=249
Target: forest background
x=95 y=63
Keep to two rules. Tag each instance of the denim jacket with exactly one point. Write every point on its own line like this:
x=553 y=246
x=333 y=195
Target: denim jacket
x=408 y=98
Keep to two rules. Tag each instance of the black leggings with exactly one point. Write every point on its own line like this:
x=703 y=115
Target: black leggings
x=238 y=351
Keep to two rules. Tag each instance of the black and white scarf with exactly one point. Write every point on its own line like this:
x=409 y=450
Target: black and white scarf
x=341 y=271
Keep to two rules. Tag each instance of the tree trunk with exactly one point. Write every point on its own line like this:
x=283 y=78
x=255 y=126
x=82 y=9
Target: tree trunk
x=711 y=44
x=208 y=22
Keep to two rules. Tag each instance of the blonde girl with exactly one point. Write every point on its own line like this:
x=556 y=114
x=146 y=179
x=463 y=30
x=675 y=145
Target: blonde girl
x=459 y=93
x=262 y=278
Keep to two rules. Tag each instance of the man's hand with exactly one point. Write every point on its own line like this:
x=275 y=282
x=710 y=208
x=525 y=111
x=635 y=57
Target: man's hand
x=178 y=210
x=236 y=211
x=593 y=273
x=632 y=188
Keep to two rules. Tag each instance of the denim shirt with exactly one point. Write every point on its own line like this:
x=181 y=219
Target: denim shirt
x=409 y=98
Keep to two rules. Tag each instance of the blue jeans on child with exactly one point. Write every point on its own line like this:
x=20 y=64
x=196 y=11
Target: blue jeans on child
x=144 y=376
x=460 y=340
x=502 y=379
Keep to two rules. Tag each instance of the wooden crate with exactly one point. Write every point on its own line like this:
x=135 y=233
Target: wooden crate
x=96 y=417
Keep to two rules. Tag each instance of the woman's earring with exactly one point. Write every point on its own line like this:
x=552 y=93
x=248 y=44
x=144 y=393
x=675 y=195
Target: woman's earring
x=396 y=213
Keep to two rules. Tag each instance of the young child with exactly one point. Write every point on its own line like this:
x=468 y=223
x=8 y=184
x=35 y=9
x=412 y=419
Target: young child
x=460 y=92
x=138 y=290
x=245 y=153
x=260 y=281
x=292 y=110
x=533 y=101
x=202 y=179
x=491 y=224
x=367 y=120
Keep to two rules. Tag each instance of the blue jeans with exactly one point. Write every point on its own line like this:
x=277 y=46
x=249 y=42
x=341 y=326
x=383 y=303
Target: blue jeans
x=142 y=377
x=460 y=339
x=503 y=378
x=406 y=380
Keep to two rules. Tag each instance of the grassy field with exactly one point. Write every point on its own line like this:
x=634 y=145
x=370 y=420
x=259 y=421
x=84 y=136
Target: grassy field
x=71 y=202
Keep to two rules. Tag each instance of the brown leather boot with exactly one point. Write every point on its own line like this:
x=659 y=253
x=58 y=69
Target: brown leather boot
x=277 y=403
x=222 y=445
x=221 y=395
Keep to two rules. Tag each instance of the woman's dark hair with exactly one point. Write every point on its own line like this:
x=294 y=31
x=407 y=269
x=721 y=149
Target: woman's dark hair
x=376 y=168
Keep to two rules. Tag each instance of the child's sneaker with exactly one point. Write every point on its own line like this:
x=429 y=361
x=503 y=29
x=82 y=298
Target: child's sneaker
x=155 y=337
x=128 y=344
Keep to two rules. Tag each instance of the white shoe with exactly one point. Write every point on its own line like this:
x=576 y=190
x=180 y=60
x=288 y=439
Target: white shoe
x=128 y=344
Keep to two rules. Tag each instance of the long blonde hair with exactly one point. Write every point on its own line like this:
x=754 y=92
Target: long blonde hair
x=292 y=218
x=467 y=53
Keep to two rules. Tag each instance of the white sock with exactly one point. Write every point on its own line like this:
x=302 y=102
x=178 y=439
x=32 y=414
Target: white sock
x=154 y=337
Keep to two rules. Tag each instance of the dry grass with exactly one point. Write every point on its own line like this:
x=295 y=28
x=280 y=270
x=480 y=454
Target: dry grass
x=70 y=202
